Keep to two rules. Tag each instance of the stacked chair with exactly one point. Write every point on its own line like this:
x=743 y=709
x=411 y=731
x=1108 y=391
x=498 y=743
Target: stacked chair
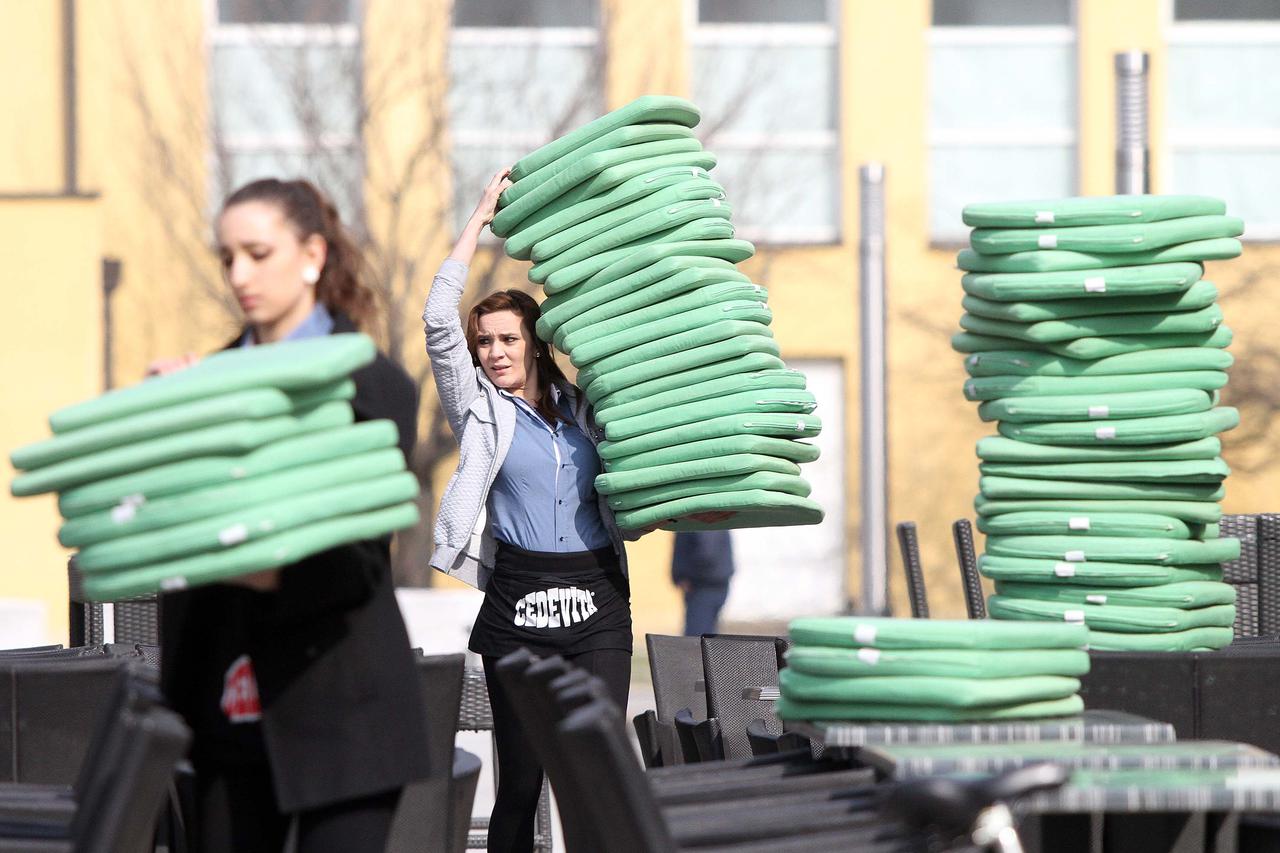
x=1093 y=343
x=632 y=242
x=249 y=460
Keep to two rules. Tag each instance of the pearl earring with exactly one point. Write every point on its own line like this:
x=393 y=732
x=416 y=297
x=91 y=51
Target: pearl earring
x=310 y=275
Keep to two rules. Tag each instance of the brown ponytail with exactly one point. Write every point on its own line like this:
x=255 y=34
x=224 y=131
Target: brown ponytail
x=342 y=286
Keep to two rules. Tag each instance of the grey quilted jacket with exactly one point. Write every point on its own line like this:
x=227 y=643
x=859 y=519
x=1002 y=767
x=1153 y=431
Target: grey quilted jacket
x=483 y=422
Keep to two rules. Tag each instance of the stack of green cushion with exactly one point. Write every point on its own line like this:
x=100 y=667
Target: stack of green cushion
x=934 y=670
x=631 y=239
x=1093 y=343
x=249 y=460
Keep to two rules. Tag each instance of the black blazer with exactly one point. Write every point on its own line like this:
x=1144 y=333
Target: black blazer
x=342 y=713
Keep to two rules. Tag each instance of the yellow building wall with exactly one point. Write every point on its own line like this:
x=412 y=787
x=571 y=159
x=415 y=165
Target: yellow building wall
x=31 y=97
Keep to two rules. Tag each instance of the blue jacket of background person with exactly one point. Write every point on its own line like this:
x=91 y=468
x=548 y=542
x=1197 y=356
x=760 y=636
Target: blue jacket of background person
x=703 y=557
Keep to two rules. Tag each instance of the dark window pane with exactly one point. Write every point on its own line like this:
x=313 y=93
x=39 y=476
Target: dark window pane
x=1226 y=10
x=1001 y=13
x=762 y=11
x=285 y=11
x=525 y=13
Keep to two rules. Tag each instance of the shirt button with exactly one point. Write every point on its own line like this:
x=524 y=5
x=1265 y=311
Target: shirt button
x=561 y=538
x=560 y=502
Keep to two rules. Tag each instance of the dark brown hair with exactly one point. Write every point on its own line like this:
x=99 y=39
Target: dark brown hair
x=342 y=286
x=523 y=306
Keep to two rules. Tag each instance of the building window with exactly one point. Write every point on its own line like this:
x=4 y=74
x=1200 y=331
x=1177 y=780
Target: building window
x=766 y=77
x=1224 y=116
x=1002 y=106
x=520 y=75
x=285 y=79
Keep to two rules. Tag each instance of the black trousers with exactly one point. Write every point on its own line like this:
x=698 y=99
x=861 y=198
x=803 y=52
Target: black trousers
x=238 y=814
x=519 y=771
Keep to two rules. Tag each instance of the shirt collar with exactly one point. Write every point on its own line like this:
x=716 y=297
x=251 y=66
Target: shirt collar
x=317 y=324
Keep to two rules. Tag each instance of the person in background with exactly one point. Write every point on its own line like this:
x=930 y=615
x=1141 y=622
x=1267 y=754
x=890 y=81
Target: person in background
x=701 y=566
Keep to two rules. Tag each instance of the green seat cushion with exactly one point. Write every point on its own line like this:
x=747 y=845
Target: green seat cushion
x=1217 y=248
x=1041 y=523
x=1106 y=239
x=133 y=517
x=997 y=448
x=750 y=508
x=1202 y=294
x=1183 y=596
x=780 y=400
x=1052 y=331
x=791 y=709
x=1094 y=348
x=1004 y=488
x=1106 y=574
x=729 y=339
x=288 y=365
x=1113 y=617
x=224 y=438
x=645 y=109
x=704 y=229
x=628 y=263
x=995 y=387
x=1194 y=512
x=882 y=632
x=748 y=364
x=606 y=412
x=777 y=426
x=615 y=347
x=1030 y=363
x=672 y=353
x=1116 y=549
x=789 y=484
x=1193 y=639
x=1153 y=430
x=1103 y=285
x=272 y=552
x=782 y=448
x=1096 y=407
x=1176 y=471
x=1089 y=210
x=697 y=469
x=248 y=523
x=946 y=691
x=993 y=663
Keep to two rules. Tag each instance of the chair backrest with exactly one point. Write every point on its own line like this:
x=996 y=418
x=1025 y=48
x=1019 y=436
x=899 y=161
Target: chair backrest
x=675 y=663
x=1242 y=573
x=130 y=620
x=910 y=548
x=474 y=712
x=731 y=664
x=962 y=535
x=440 y=677
x=1269 y=574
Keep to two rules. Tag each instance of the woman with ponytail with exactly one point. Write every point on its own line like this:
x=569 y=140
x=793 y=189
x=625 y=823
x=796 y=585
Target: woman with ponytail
x=299 y=683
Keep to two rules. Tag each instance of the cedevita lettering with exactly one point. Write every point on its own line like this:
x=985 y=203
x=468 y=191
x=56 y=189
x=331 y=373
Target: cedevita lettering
x=555 y=608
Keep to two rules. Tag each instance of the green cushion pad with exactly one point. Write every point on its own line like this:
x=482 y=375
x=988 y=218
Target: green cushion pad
x=1116 y=618
x=697 y=469
x=1200 y=295
x=789 y=484
x=1194 y=639
x=1195 y=512
x=272 y=552
x=1181 y=471
x=1089 y=210
x=1115 y=549
x=752 y=508
x=790 y=709
x=673 y=353
x=880 y=632
x=1153 y=430
x=1052 y=331
x=932 y=690
x=782 y=448
x=233 y=437
x=176 y=478
x=747 y=402
x=733 y=251
x=1083 y=524
x=1102 y=285
x=1105 y=239
x=616 y=346
x=1094 y=348
x=1029 y=363
x=993 y=663
x=1096 y=407
x=777 y=426
x=997 y=448
x=748 y=364
x=706 y=229
x=1093 y=573
x=130 y=519
x=1218 y=248
x=995 y=387
x=739 y=339
x=248 y=523
x=645 y=109
x=1004 y=488
x=754 y=381
x=1184 y=596
x=288 y=365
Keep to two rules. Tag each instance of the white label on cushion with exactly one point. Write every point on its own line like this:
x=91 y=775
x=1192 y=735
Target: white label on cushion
x=799 y=426
x=1074 y=556
x=968 y=389
x=1095 y=598
x=233 y=535
x=1064 y=570
x=870 y=657
x=238 y=472
x=173 y=583
x=864 y=634
x=1078 y=522
x=1095 y=284
x=1076 y=616
x=974 y=361
x=1044 y=217
x=124 y=513
x=1047 y=241
x=1104 y=433
x=1099 y=411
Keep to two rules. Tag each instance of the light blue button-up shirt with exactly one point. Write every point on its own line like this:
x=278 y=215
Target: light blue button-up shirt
x=316 y=325
x=544 y=495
